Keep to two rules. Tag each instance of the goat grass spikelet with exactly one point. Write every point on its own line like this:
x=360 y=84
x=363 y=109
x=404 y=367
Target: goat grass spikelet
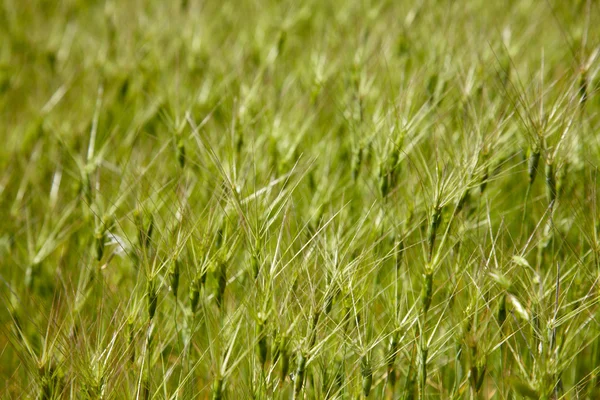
x=151 y=296
x=300 y=373
x=367 y=375
x=533 y=161
x=174 y=271
x=427 y=289
x=194 y=294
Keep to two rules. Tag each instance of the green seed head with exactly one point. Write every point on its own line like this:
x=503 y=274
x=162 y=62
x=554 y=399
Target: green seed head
x=152 y=296
x=436 y=220
x=281 y=40
x=32 y=271
x=532 y=164
x=239 y=142
x=483 y=160
x=484 y=180
x=217 y=389
x=108 y=222
x=480 y=378
x=473 y=376
x=356 y=162
x=432 y=85
x=221 y=275
x=561 y=174
x=462 y=201
x=149 y=231
x=300 y=372
x=144 y=233
x=550 y=181
x=194 y=294
x=426 y=291
x=313 y=327
x=392 y=352
x=384 y=179
x=174 y=271
x=328 y=302
x=255 y=264
x=367 y=375
x=86 y=187
x=339 y=374
x=50 y=378
x=397 y=148
x=202 y=278
x=284 y=354
x=145 y=387
x=502 y=310
x=423 y=356
x=219 y=237
x=99 y=240
x=276 y=347
x=138 y=219
x=181 y=153
x=263 y=343
x=583 y=85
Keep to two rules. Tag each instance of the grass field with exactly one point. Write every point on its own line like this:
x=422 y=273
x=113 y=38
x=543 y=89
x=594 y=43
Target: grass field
x=299 y=199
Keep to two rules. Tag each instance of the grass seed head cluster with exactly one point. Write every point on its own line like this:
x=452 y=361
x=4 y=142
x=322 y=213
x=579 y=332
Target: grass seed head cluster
x=341 y=199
